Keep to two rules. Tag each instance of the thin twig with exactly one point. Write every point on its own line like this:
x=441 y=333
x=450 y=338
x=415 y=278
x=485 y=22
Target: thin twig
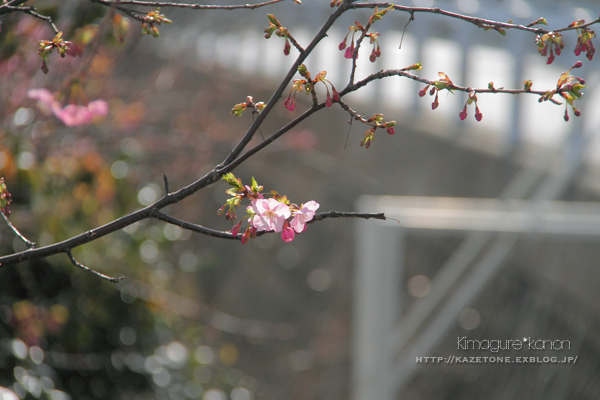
x=348 y=135
x=412 y=18
x=166 y=181
x=98 y=274
x=27 y=242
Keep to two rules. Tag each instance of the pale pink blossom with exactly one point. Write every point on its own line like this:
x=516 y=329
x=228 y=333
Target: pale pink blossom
x=42 y=95
x=303 y=215
x=98 y=107
x=71 y=114
x=270 y=214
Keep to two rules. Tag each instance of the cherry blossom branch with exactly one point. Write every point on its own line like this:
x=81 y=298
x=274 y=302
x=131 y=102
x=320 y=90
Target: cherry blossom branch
x=18 y=234
x=479 y=22
x=237 y=156
x=94 y=272
x=228 y=235
x=185 y=5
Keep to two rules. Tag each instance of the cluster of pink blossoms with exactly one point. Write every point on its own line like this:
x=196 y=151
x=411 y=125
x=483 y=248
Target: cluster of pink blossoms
x=271 y=215
x=71 y=114
x=268 y=215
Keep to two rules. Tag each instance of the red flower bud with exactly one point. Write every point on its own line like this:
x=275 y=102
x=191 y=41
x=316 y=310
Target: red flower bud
x=290 y=103
x=550 y=58
x=328 y=101
x=463 y=113
x=236 y=228
x=372 y=57
x=435 y=103
x=350 y=51
x=578 y=64
x=246 y=236
x=336 y=95
x=478 y=114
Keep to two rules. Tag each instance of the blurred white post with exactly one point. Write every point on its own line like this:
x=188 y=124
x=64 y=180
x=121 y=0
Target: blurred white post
x=379 y=370
x=377 y=281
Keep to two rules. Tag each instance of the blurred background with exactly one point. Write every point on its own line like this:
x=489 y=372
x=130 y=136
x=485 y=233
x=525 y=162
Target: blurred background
x=343 y=310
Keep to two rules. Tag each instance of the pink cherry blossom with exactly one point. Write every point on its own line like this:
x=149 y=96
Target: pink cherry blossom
x=98 y=107
x=71 y=114
x=42 y=95
x=303 y=215
x=270 y=214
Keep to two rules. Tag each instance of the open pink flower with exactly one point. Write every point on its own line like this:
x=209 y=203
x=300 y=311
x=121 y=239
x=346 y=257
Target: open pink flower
x=303 y=215
x=270 y=215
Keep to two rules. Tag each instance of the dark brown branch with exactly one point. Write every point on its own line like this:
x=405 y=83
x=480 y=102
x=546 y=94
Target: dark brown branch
x=193 y=227
x=337 y=214
x=185 y=5
x=230 y=167
x=94 y=272
x=27 y=242
x=31 y=11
